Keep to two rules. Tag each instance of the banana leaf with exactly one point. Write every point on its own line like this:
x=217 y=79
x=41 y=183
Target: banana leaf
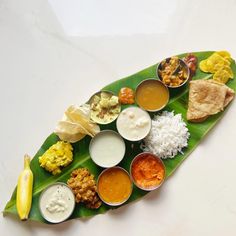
x=178 y=103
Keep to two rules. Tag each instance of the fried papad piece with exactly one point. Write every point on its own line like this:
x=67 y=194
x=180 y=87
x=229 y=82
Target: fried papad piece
x=207 y=97
x=76 y=124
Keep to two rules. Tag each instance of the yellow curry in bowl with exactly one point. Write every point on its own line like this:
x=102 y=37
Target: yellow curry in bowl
x=152 y=95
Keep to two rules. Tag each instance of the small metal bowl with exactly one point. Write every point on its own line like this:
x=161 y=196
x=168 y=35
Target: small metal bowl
x=127 y=138
x=154 y=81
x=93 y=140
x=40 y=207
x=131 y=186
x=100 y=121
x=159 y=67
x=160 y=162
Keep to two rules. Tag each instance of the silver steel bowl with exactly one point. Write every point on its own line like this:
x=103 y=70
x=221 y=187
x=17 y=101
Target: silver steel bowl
x=99 y=134
x=46 y=218
x=158 y=159
x=118 y=203
x=155 y=81
x=134 y=140
x=91 y=100
x=159 y=67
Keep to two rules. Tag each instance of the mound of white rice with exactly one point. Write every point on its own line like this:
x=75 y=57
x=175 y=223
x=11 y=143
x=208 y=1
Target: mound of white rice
x=168 y=135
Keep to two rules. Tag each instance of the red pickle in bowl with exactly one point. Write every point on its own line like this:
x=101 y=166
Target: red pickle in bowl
x=147 y=171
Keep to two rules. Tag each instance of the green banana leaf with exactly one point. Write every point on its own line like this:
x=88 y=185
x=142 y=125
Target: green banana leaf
x=178 y=104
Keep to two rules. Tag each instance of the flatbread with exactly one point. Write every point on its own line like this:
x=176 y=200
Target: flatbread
x=207 y=97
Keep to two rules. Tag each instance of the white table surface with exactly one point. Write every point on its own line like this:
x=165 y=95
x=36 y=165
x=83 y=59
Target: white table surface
x=49 y=61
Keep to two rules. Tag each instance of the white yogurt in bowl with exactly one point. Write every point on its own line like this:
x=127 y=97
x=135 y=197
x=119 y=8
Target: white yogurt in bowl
x=107 y=148
x=57 y=203
x=134 y=123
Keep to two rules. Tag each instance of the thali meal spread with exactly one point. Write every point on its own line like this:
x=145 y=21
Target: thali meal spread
x=152 y=95
x=133 y=124
x=147 y=171
x=173 y=72
x=57 y=203
x=105 y=107
x=78 y=161
x=207 y=97
x=114 y=186
x=107 y=148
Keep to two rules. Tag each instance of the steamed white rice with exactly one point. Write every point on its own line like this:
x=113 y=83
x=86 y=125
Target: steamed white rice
x=168 y=136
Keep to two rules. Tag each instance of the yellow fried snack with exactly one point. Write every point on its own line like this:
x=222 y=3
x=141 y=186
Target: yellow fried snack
x=228 y=69
x=57 y=156
x=216 y=62
x=225 y=54
x=222 y=76
x=219 y=65
x=203 y=66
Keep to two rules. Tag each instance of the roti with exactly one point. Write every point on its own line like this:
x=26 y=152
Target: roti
x=207 y=97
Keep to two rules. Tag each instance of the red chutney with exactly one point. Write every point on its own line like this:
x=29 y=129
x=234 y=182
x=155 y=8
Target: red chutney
x=148 y=171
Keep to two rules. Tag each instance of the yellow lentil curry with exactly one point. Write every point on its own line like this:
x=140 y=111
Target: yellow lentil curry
x=152 y=95
x=114 y=186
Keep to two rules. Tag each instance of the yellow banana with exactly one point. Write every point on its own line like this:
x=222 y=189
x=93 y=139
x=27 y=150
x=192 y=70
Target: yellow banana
x=24 y=190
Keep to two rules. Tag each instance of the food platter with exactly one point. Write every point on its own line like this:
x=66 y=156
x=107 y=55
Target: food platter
x=178 y=102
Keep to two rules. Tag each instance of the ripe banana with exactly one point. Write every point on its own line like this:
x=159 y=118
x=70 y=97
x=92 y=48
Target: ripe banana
x=24 y=190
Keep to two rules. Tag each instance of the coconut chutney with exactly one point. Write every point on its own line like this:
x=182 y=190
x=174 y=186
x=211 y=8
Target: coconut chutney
x=57 y=203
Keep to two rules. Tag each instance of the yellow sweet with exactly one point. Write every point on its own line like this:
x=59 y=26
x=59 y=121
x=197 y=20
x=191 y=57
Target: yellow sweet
x=219 y=65
x=57 y=156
